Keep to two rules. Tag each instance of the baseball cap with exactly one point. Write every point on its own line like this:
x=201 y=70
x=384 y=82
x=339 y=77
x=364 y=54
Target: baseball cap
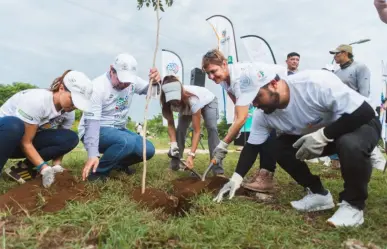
x=172 y=91
x=251 y=81
x=81 y=89
x=126 y=68
x=342 y=48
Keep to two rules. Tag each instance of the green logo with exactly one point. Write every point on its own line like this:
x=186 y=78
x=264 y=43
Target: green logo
x=25 y=115
x=229 y=60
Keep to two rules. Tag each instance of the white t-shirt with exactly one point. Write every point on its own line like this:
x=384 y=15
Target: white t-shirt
x=109 y=105
x=317 y=99
x=252 y=68
x=36 y=106
x=202 y=97
x=64 y=121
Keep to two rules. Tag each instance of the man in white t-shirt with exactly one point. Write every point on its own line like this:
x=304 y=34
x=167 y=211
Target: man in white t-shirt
x=103 y=129
x=314 y=114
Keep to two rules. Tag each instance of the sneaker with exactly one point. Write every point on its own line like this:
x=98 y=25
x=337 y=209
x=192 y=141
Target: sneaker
x=346 y=216
x=21 y=172
x=263 y=182
x=314 y=202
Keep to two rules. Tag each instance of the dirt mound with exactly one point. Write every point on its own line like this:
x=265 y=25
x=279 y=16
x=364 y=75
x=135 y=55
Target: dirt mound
x=184 y=189
x=32 y=196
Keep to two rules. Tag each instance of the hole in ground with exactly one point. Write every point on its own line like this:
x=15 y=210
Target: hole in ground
x=178 y=203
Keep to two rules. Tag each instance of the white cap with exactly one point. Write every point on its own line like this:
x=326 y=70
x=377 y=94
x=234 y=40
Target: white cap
x=172 y=91
x=251 y=81
x=126 y=67
x=80 y=88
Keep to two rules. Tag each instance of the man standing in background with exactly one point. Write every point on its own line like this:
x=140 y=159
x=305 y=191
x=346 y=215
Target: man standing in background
x=357 y=76
x=293 y=60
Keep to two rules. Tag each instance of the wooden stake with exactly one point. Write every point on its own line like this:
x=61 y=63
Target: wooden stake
x=143 y=182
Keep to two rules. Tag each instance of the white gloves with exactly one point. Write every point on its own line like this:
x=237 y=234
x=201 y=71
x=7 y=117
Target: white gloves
x=173 y=150
x=311 y=145
x=233 y=185
x=48 y=174
x=220 y=152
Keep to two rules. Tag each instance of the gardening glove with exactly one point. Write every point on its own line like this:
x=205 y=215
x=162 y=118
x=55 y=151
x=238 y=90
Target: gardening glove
x=58 y=169
x=174 y=150
x=311 y=145
x=220 y=152
x=48 y=176
x=233 y=185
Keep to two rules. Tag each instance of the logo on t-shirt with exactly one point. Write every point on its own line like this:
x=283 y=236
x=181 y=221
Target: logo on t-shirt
x=25 y=115
x=121 y=103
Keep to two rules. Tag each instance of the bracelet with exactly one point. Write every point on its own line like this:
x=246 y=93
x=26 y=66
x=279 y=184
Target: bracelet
x=190 y=153
x=40 y=166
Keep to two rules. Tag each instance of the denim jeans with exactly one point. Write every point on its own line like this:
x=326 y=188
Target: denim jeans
x=50 y=144
x=121 y=148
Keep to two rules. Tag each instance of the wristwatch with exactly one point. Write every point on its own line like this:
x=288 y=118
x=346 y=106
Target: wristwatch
x=190 y=153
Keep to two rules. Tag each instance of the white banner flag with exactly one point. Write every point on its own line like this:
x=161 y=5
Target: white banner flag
x=172 y=65
x=258 y=49
x=224 y=32
x=383 y=94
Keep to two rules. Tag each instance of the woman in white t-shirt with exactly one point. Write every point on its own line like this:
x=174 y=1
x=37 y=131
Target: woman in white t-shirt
x=191 y=102
x=28 y=120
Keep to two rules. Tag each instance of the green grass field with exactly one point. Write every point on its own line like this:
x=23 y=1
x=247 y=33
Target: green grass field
x=115 y=221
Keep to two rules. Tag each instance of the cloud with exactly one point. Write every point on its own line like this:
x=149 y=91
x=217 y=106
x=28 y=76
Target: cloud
x=41 y=39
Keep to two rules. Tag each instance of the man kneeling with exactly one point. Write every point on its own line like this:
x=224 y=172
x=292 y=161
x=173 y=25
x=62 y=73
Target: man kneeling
x=315 y=115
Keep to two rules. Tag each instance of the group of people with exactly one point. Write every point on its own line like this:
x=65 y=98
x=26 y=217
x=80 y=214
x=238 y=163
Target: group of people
x=299 y=115
x=303 y=115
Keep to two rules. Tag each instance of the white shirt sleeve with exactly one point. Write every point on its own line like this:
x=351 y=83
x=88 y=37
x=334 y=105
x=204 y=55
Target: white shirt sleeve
x=141 y=87
x=30 y=111
x=97 y=99
x=194 y=104
x=260 y=130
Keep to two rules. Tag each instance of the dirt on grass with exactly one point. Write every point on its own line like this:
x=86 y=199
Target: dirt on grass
x=32 y=196
x=184 y=189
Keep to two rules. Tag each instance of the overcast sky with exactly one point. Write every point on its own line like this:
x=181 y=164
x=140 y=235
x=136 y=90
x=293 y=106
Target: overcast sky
x=39 y=39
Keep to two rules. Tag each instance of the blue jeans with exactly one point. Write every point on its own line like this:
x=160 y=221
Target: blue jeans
x=121 y=148
x=50 y=144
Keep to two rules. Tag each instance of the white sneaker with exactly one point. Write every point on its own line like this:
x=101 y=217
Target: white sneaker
x=314 y=202
x=347 y=215
x=377 y=159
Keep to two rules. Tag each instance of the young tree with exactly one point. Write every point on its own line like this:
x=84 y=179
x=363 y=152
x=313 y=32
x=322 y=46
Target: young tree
x=140 y=4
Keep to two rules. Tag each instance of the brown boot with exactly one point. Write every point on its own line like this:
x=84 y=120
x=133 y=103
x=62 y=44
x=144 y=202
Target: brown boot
x=251 y=179
x=263 y=182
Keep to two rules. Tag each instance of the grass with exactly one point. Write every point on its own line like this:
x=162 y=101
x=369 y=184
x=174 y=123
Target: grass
x=115 y=221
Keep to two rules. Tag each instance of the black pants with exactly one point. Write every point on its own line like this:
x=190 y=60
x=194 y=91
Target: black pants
x=267 y=155
x=354 y=150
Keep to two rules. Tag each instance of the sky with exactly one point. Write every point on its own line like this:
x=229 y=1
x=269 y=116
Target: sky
x=40 y=39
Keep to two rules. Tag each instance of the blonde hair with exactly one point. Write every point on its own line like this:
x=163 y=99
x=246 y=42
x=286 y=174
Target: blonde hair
x=213 y=56
x=58 y=81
